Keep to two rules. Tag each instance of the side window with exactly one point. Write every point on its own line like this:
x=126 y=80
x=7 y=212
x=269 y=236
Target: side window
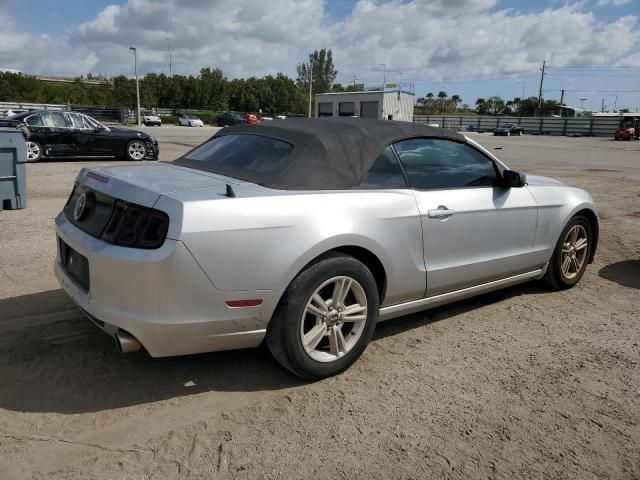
x=34 y=121
x=89 y=122
x=385 y=172
x=76 y=120
x=55 y=120
x=432 y=163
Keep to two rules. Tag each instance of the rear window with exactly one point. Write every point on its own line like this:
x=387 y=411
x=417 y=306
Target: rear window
x=242 y=152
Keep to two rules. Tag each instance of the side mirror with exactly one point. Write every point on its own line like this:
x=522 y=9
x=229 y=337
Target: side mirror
x=513 y=179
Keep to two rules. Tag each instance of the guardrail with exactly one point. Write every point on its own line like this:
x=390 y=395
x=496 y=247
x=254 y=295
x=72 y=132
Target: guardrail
x=569 y=126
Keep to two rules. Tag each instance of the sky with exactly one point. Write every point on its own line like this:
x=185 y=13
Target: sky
x=473 y=48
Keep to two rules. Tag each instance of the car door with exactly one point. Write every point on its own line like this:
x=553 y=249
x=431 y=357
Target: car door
x=474 y=231
x=58 y=133
x=96 y=140
x=38 y=132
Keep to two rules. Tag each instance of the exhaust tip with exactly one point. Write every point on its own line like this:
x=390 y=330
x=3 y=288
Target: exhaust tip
x=126 y=343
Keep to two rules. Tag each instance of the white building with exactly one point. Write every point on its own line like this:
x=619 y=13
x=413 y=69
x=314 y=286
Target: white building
x=387 y=105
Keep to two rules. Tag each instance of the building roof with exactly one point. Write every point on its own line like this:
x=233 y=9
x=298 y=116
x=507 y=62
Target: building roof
x=386 y=92
x=329 y=153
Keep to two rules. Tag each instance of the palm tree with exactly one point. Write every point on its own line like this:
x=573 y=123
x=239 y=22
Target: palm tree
x=442 y=95
x=456 y=100
x=429 y=95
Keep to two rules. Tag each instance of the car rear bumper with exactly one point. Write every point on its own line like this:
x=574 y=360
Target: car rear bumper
x=161 y=297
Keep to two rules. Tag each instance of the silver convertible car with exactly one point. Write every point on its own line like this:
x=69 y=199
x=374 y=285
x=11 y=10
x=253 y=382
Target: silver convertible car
x=307 y=232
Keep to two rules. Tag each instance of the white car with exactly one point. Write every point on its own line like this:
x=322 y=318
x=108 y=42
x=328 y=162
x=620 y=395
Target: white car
x=149 y=118
x=281 y=117
x=190 y=121
x=11 y=112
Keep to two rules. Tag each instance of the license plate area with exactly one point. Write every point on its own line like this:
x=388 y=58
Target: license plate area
x=75 y=264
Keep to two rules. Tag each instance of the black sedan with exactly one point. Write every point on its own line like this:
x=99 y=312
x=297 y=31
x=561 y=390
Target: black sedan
x=229 y=119
x=71 y=134
x=509 y=130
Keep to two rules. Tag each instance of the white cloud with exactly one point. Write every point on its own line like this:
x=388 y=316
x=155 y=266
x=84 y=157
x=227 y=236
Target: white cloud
x=439 y=39
x=617 y=3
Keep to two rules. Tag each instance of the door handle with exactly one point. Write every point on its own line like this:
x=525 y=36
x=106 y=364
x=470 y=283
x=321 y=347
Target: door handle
x=441 y=212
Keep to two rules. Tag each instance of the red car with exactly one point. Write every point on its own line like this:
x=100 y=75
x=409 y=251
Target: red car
x=251 y=118
x=625 y=134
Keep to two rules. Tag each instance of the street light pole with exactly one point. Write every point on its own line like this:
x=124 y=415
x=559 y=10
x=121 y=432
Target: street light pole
x=170 y=72
x=524 y=84
x=384 y=75
x=582 y=100
x=310 y=84
x=135 y=69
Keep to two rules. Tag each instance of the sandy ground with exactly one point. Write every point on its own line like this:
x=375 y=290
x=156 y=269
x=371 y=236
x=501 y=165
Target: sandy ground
x=522 y=383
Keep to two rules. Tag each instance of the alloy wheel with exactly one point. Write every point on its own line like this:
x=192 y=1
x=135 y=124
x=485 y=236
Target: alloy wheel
x=334 y=319
x=574 y=251
x=33 y=151
x=137 y=150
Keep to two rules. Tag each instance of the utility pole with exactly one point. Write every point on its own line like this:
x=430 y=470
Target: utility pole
x=544 y=63
x=135 y=70
x=561 y=100
x=170 y=72
x=310 y=84
x=384 y=75
x=602 y=105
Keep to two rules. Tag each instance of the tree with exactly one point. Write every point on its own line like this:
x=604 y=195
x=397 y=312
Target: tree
x=456 y=101
x=442 y=95
x=429 y=95
x=496 y=105
x=324 y=72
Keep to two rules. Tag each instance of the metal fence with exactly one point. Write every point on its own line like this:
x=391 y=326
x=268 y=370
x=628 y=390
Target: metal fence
x=593 y=126
x=117 y=115
x=30 y=106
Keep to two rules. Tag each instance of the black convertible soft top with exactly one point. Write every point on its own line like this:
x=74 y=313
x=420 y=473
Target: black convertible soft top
x=331 y=153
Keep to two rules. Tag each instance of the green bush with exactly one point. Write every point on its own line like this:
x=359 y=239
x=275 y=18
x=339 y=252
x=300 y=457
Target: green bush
x=169 y=120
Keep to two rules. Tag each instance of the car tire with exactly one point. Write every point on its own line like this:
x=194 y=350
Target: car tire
x=333 y=342
x=135 y=151
x=571 y=255
x=35 y=151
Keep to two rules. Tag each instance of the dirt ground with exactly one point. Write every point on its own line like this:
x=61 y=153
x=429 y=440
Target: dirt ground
x=522 y=383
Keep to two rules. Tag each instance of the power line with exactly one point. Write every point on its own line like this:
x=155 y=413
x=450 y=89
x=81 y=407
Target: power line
x=595 y=91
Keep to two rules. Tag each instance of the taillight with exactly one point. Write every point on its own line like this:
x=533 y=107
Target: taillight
x=136 y=226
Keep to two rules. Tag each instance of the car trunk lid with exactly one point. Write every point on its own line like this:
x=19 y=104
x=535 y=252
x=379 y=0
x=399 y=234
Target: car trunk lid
x=143 y=184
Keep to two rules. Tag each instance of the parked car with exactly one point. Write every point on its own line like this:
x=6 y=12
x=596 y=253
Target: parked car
x=268 y=119
x=251 y=118
x=281 y=117
x=12 y=111
x=72 y=134
x=625 y=134
x=228 y=119
x=305 y=233
x=190 y=121
x=509 y=130
x=150 y=119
